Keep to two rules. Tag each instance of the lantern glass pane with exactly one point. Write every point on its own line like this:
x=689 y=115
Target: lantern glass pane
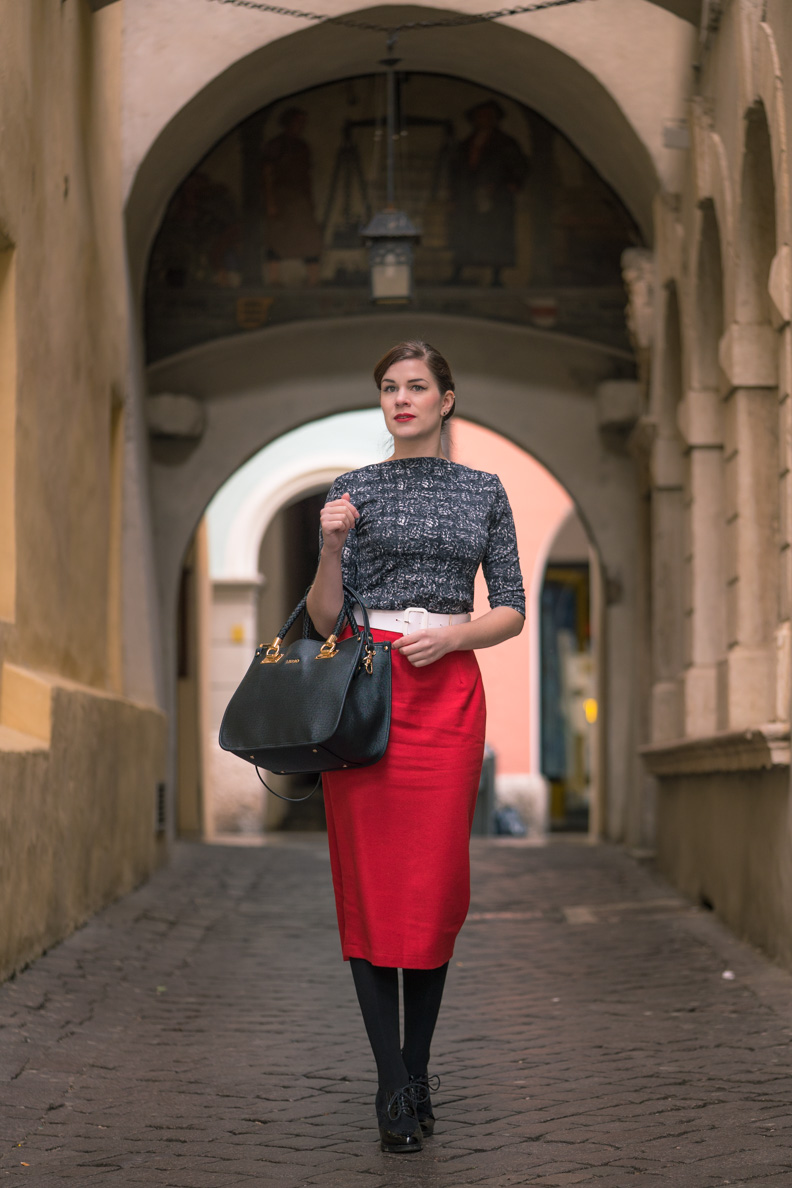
x=391 y=275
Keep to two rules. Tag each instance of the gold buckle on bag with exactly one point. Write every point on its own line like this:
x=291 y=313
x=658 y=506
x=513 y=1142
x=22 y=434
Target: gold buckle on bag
x=273 y=653
x=328 y=649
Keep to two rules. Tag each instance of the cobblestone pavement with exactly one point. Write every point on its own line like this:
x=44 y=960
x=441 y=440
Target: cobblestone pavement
x=203 y=1032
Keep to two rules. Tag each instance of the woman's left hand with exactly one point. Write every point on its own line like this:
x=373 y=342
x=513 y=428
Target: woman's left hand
x=427 y=645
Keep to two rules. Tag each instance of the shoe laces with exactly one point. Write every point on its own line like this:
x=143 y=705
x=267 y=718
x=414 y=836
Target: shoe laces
x=401 y=1102
x=422 y=1085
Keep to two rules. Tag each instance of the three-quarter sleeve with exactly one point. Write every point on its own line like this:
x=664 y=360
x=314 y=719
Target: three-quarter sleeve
x=501 y=564
x=349 y=553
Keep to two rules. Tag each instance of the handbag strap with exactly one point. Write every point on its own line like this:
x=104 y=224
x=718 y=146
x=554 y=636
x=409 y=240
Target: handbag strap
x=289 y=799
x=351 y=597
x=300 y=610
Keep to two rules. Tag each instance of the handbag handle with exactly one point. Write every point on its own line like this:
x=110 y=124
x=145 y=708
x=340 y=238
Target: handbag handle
x=351 y=597
x=348 y=607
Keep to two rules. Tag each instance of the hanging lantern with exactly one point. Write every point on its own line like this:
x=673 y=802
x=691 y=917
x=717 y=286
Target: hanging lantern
x=391 y=234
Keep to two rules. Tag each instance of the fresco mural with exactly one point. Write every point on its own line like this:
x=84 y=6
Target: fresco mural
x=515 y=224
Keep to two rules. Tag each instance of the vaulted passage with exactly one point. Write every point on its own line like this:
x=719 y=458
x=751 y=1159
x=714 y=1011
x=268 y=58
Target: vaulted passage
x=257 y=304
x=601 y=197
x=516 y=226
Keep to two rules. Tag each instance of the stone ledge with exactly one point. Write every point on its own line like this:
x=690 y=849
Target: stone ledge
x=16 y=742
x=28 y=702
x=729 y=750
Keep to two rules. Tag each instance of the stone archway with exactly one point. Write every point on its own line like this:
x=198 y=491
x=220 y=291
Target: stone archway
x=551 y=402
x=558 y=80
x=255 y=554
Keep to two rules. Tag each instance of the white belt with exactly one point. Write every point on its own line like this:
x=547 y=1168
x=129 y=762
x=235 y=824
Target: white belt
x=413 y=618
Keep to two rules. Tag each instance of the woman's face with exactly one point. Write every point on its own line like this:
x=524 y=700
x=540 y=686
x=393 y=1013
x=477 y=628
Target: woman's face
x=411 y=401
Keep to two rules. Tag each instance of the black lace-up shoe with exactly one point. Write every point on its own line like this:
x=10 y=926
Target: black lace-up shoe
x=400 y=1130
x=421 y=1086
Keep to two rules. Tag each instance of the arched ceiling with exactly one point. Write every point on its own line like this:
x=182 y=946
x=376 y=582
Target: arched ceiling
x=689 y=10
x=608 y=94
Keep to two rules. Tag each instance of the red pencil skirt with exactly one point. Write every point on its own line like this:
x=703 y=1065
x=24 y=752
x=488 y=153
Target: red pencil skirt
x=399 y=831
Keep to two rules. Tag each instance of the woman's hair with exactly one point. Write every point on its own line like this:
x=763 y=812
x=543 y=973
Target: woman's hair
x=415 y=349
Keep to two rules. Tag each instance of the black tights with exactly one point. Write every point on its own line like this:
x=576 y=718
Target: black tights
x=377 y=989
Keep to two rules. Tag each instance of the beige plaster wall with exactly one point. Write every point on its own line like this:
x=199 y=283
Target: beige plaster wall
x=60 y=207
x=725 y=838
x=8 y=386
x=79 y=763
x=76 y=818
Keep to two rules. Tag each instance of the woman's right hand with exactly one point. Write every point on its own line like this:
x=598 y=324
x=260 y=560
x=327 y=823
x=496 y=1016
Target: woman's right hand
x=337 y=519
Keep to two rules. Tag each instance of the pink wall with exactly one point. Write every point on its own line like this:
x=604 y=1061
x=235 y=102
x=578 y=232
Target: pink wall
x=540 y=505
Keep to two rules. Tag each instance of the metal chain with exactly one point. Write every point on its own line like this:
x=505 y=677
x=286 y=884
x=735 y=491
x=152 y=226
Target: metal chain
x=444 y=23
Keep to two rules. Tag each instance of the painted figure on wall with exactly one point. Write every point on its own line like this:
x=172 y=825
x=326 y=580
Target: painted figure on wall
x=501 y=197
x=488 y=168
x=199 y=240
x=291 y=230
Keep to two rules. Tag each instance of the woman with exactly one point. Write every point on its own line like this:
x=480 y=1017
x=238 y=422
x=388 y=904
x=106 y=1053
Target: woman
x=409 y=535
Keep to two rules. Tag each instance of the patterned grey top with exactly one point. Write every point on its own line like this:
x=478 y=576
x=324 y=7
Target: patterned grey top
x=425 y=526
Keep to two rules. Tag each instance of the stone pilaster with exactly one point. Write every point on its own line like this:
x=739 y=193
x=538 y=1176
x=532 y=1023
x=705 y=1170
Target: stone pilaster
x=667 y=603
x=749 y=357
x=700 y=424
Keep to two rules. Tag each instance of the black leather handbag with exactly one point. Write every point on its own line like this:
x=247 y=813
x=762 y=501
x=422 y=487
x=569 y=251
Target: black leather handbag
x=308 y=708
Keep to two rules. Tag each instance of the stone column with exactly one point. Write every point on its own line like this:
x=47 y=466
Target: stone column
x=749 y=358
x=667 y=604
x=705 y=642
x=233 y=636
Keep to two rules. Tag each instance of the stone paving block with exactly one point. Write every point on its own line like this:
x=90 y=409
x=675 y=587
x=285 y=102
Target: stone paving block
x=204 y=1031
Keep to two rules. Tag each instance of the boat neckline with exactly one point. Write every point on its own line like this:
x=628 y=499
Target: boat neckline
x=417 y=458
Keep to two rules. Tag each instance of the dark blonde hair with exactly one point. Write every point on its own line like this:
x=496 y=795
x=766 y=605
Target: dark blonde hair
x=415 y=349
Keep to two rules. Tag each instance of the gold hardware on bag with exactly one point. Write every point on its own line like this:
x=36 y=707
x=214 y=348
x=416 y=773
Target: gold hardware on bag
x=369 y=664
x=328 y=649
x=273 y=653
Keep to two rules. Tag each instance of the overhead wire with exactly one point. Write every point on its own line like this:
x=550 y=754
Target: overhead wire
x=350 y=22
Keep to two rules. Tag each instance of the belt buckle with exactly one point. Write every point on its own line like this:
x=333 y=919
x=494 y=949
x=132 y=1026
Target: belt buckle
x=417 y=610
